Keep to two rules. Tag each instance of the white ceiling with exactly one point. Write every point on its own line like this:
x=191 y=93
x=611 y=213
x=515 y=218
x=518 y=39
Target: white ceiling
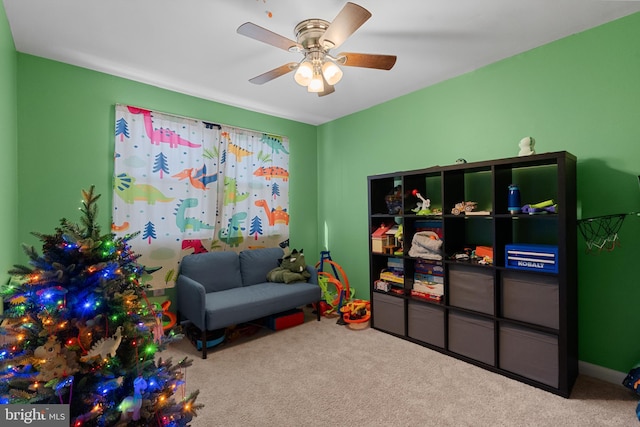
x=191 y=46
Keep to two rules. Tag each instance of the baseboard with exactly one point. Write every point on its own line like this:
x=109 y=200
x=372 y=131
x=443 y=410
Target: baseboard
x=601 y=373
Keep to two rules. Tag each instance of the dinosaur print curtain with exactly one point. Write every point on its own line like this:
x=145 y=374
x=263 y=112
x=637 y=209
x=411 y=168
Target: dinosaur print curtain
x=256 y=186
x=188 y=186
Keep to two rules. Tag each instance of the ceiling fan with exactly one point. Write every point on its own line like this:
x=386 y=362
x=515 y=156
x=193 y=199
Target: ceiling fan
x=319 y=71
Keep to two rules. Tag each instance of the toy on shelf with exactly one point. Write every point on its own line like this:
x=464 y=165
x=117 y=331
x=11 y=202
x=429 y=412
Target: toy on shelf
x=548 y=206
x=394 y=200
x=481 y=255
x=399 y=242
x=423 y=206
x=464 y=207
x=380 y=238
x=526 y=146
x=513 y=199
x=382 y=285
x=391 y=244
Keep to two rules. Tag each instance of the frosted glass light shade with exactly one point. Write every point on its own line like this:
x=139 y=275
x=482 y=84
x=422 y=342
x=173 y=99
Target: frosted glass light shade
x=316 y=84
x=303 y=74
x=332 y=73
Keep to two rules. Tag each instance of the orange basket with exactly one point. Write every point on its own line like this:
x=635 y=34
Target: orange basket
x=361 y=323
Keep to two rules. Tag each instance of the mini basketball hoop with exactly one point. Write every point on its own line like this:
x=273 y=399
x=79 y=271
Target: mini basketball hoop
x=601 y=233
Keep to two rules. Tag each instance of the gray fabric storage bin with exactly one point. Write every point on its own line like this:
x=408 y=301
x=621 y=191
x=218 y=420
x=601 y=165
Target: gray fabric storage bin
x=388 y=313
x=472 y=336
x=426 y=323
x=529 y=353
x=531 y=298
x=471 y=288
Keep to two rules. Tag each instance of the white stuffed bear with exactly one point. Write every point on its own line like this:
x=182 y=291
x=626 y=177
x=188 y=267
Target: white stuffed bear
x=526 y=146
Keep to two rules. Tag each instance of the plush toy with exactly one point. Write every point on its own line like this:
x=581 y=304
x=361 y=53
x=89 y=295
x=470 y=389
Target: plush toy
x=293 y=268
x=526 y=146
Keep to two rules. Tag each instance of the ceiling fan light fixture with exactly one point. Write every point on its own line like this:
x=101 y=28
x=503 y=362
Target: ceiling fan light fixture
x=304 y=73
x=315 y=38
x=331 y=72
x=316 y=84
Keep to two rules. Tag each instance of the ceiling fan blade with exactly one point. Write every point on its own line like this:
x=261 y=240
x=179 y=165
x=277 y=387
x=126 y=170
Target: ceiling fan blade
x=328 y=89
x=276 y=72
x=350 y=18
x=256 y=32
x=366 y=60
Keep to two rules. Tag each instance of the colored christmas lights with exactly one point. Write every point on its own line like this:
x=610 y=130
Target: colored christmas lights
x=80 y=330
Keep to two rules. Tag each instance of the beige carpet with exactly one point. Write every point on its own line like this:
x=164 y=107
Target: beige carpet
x=324 y=374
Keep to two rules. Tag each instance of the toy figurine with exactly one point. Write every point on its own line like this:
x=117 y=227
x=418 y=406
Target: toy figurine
x=464 y=207
x=423 y=208
x=526 y=146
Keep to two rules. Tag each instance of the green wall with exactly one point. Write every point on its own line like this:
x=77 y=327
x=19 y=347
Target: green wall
x=66 y=122
x=9 y=147
x=580 y=94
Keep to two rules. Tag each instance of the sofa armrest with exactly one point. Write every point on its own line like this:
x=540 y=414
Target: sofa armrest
x=314 y=275
x=191 y=300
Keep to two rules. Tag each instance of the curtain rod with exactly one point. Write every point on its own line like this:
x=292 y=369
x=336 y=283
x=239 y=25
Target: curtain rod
x=172 y=114
x=218 y=125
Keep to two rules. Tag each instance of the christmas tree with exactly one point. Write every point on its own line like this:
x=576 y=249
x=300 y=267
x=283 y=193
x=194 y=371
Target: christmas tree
x=79 y=329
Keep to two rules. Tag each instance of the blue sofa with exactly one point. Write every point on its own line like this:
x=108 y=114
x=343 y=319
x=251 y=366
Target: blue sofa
x=220 y=289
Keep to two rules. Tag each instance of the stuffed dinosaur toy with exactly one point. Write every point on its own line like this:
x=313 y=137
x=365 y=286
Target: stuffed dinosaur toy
x=293 y=268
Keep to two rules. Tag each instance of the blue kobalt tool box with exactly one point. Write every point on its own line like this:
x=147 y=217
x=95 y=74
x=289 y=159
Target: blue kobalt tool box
x=532 y=257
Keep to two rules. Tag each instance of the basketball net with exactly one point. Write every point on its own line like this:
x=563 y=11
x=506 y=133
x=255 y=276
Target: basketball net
x=601 y=233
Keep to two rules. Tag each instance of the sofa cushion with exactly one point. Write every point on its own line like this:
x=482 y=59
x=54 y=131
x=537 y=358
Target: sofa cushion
x=256 y=263
x=252 y=302
x=216 y=271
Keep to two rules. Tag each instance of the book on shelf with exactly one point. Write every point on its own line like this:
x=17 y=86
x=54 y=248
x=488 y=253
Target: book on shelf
x=428 y=278
x=392 y=276
x=429 y=288
x=395 y=264
x=425 y=296
x=424 y=266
